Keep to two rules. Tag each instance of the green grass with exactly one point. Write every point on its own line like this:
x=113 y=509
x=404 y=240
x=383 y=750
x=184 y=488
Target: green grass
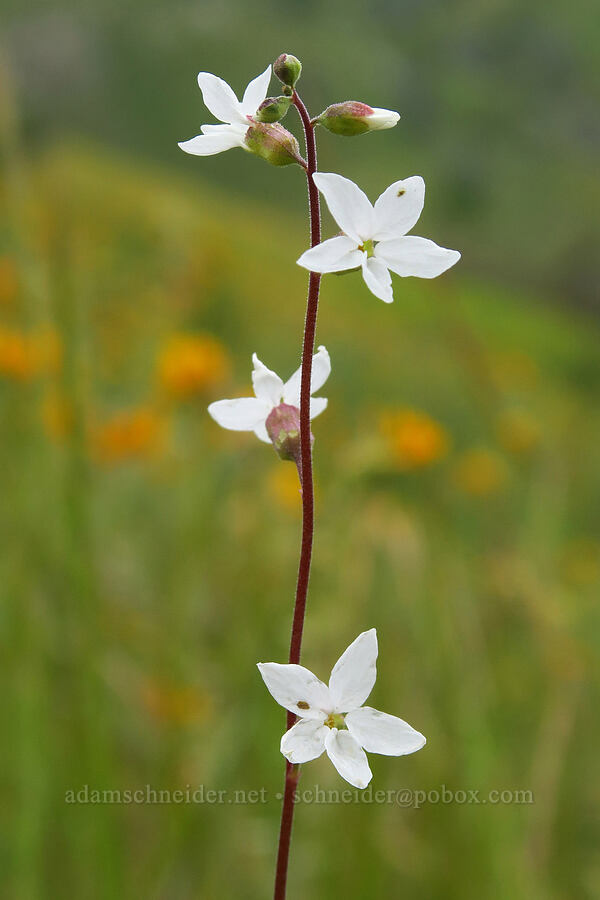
x=138 y=596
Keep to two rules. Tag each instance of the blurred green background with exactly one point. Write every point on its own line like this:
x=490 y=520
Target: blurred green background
x=148 y=559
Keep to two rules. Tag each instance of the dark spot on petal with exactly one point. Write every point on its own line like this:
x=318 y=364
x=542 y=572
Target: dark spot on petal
x=401 y=192
x=302 y=704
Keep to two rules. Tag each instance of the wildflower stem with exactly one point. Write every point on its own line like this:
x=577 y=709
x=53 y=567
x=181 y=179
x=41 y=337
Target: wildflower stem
x=306 y=479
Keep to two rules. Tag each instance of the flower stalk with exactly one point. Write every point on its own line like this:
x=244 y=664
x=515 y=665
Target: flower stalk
x=306 y=478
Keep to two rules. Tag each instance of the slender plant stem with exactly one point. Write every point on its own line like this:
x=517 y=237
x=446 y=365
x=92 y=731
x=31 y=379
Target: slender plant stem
x=306 y=478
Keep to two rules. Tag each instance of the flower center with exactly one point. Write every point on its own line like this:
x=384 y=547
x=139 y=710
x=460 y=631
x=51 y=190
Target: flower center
x=368 y=248
x=336 y=720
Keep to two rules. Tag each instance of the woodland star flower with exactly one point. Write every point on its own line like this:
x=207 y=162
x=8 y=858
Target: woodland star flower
x=251 y=413
x=375 y=237
x=333 y=719
x=225 y=106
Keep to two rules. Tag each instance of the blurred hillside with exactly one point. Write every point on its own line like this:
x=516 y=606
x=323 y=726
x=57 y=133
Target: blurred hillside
x=148 y=558
x=499 y=106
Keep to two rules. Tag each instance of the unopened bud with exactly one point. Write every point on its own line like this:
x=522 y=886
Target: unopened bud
x=283 y=427
x=272 y=109
x=351 y=118
x=274 y=143
x=287 y=68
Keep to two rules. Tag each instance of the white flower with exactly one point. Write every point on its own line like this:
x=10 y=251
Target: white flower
x=225 y=106
x=374 y=237
x=251 y=413
x=333 y=718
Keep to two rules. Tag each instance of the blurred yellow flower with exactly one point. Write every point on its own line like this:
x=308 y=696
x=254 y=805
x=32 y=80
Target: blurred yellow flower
x=129 y=434
x=9 y=280
x=413 y=438
x=190 y=363
x=480 y=472
x=518 y=432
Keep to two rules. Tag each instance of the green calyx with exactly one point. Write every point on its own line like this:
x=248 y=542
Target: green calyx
x=283 y=427
x=348 y=119
x=272 y=109
x=273 y=143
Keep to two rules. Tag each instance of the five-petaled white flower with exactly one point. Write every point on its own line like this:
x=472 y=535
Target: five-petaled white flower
x=225 y=106
x=251 y=413
x=333 y=718
x=375 y=237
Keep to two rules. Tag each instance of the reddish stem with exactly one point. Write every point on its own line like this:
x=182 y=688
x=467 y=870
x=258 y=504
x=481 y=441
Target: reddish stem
x=306 y=478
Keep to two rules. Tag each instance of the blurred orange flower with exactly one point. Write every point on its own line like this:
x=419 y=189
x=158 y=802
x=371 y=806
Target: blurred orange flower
x=23 y=356
x=129 y=434
x=414 y=439
x=190 y=363
x=18 y=358
x=480 y=472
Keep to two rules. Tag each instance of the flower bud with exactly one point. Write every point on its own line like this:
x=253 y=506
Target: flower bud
x=352 y=118
x=283 y=427
x=274 y=144
x=272 y=109
x=287 y=68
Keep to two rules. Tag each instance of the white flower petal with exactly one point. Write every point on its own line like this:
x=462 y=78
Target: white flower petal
x=213 y=142
x=349 y=206
x=219 y=98
x=382 y=118
x=297 y=689
x=317 y=405
x=354 y=673
x=267 y=385
x=399 y=208
x=241 y=414
x=378 y=732
x=321 y=369
x=256 y=92
x=239 y=130
x=304 y=741
x=334 y=255
x=348 y=757
x=377 y=278
x=262 y=434
x=416 y=256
